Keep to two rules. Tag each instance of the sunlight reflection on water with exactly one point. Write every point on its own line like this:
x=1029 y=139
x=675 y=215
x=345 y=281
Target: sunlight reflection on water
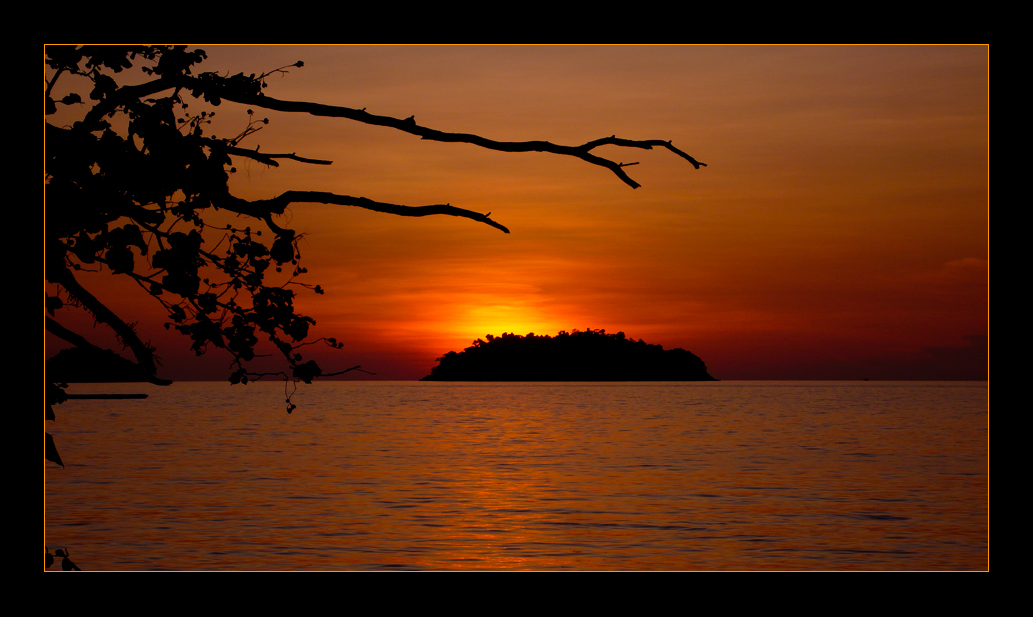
x=410 y=475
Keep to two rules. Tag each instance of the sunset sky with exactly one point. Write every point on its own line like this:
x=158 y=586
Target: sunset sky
x=839 y=231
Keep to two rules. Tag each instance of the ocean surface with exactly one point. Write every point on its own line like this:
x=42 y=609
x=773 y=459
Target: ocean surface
x=744 y=475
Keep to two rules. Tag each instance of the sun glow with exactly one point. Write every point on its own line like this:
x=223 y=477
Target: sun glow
x=515 y=318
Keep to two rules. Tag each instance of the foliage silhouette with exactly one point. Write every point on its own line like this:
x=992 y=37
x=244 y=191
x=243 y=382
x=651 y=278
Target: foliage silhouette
x=132 y=186
x=591 y=355
x=66 y=563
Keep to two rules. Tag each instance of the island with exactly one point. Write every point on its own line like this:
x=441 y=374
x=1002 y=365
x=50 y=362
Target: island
x=589 y=355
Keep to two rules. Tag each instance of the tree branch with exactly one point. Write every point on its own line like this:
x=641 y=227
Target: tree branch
x=144 y=354
x=53 y=80
x=409 y=125
x=198 y=85
x=277 y=205
x=347 y=370
x=55 y=328
x=262 y=157
x=79 y=341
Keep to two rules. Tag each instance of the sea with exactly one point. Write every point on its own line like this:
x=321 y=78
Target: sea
x=376 y=475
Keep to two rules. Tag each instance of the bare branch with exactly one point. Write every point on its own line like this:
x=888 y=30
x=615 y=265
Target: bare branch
x=55 y=328
x=53 y=80
x=144 y=354
x=276 y=205
x=347 y=370
x=263 y=157
x=648 y=144
x=408 y=125
x=79 y=341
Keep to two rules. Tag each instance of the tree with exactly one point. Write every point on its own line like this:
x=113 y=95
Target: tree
x=132 y=188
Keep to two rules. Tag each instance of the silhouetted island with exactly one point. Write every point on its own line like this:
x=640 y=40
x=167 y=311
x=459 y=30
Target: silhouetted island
x=592 y=355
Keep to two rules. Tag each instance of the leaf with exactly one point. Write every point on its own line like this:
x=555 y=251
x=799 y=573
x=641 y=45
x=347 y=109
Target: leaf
x=120 y=259
x=283 y=249
x=103 y=85
x=56 y=394
x=50 y=450
x=308 y=371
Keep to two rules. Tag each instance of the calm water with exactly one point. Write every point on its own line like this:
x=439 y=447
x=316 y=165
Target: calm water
x=409 y=475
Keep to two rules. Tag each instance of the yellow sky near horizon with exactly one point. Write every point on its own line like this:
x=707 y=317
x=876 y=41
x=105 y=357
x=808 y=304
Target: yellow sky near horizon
x=840 y=230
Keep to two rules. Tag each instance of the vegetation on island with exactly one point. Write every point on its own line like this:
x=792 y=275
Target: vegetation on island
x=589 y=355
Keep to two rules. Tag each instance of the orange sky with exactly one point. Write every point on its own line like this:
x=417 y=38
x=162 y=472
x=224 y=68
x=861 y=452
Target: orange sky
x=840 y=230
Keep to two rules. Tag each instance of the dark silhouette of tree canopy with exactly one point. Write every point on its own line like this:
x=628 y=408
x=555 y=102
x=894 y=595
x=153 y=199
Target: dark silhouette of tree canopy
x=131 y=189
x=589 y=355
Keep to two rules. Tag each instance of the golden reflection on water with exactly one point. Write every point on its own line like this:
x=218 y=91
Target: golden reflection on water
x=375 y=475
